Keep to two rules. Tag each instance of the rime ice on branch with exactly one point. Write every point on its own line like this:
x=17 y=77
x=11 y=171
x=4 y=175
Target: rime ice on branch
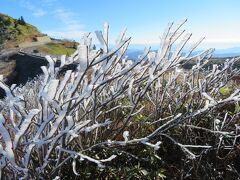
x=66 y=117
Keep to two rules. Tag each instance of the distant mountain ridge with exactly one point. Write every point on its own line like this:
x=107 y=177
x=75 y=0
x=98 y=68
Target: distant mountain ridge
x=134 y=52
x=228 y=52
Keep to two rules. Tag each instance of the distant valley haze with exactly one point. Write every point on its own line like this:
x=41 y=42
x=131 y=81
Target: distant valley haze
x=135 y=50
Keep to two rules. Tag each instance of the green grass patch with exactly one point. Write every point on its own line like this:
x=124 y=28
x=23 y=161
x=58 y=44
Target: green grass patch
x=57 y=49
x=224 y=91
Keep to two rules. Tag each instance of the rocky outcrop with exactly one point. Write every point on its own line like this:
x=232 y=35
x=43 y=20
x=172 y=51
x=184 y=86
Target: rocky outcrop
x=26 y=68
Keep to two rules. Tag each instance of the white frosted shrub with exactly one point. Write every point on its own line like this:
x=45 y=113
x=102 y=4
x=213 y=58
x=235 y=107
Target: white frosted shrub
x=52 y=121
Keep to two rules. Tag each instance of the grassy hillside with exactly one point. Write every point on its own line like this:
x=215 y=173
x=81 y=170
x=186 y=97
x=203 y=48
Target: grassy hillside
x=14 y=31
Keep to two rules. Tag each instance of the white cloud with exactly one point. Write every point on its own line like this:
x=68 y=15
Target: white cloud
x=36 y=11
x=217 y=34
x=211 y=41
x=66 y=34
x=68 y=18
x=219 y=44
x=48 y=2
x=72 y=28
x=39 y=13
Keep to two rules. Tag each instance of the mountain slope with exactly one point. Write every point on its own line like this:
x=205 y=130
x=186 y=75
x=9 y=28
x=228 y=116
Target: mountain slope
x=15 y=31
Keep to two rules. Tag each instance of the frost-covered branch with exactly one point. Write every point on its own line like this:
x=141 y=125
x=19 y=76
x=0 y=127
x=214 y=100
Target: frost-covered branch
x=62 y=117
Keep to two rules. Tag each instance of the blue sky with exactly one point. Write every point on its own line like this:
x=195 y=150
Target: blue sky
x=217 y=20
